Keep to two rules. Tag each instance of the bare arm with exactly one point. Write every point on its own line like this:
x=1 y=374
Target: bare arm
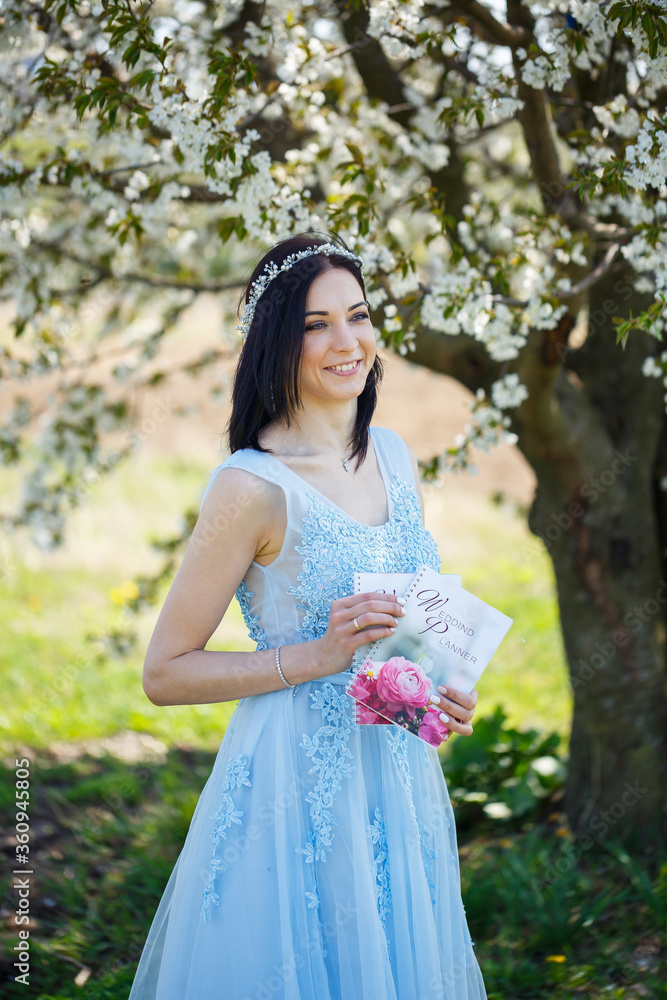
x=233 y=526
x=231 y=529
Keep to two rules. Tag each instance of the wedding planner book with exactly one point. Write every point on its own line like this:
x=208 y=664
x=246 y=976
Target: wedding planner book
x=446 y=637
x=382 y=583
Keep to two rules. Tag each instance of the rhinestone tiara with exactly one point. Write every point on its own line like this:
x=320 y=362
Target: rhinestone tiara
x=272 y=270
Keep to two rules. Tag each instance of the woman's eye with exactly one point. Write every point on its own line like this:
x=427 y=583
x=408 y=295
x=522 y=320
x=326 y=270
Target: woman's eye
x=320 y=324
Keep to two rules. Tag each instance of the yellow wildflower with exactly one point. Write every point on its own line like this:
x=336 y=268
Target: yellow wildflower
x=127 y=591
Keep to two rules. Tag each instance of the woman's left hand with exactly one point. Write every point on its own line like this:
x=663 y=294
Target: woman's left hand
x=460 y=708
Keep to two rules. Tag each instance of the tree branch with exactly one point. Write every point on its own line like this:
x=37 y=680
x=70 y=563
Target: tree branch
x=460 y=357
x=587 y=282
x=384 y=84
x=129 y=276
x=593 y=276
x=493 y=30
x=538 y=131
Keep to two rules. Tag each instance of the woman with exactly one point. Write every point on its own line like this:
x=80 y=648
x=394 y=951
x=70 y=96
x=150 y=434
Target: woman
x=321 y=860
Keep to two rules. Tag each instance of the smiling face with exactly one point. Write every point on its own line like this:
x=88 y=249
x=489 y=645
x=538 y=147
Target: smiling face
x=339 y=340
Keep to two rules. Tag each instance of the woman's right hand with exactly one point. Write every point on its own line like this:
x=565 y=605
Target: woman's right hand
x=376 y=615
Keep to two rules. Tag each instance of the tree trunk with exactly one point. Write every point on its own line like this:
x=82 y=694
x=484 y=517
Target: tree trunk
x=595 y=433
x=597 y=511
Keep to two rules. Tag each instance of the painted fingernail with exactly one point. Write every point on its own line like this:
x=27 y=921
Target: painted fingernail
x=442 y=690
x=403 y=611
x=401 y=600
x=444 y=718
x=434 y=699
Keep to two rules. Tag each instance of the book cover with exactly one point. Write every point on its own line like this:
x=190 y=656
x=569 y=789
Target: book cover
x=447 y=636
x=382 y=583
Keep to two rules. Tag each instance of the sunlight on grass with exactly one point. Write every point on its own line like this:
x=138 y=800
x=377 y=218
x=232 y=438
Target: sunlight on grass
x=57 y=686
x=502 y=563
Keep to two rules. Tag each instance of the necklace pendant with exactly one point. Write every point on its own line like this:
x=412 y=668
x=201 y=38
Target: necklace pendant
x=345 y=465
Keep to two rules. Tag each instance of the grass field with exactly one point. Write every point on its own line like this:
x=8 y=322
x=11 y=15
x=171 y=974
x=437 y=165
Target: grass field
x=111 y=810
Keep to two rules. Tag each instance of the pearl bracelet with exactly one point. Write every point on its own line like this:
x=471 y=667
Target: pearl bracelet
x=282 y=676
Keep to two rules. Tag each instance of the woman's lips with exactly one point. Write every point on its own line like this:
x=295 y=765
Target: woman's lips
x=350 y=371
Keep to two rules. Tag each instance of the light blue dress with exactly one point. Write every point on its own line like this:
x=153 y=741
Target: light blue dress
x=321 y=861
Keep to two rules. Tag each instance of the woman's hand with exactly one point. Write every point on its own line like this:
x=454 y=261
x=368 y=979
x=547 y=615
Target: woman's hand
x=459 y=707
x=375 y=614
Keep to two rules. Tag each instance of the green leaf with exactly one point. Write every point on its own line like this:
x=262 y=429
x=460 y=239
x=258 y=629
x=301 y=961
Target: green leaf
x=227 y=227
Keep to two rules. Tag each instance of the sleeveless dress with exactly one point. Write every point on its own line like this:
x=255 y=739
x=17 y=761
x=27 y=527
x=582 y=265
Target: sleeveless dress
x=321 y=860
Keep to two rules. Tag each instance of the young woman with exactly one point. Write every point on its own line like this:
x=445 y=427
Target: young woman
x=321 y=861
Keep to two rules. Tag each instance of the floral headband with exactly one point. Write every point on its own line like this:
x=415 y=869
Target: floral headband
x=272 y=271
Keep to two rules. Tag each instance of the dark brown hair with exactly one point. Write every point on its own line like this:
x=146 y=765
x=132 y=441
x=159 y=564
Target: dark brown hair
x=266 y=377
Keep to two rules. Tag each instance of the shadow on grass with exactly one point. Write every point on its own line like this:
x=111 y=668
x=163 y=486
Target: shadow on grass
x=104 y=837
x=106 y=833
x=553 y=921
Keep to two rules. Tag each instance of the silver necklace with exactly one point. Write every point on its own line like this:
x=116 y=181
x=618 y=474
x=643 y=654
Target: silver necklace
x=346 y=465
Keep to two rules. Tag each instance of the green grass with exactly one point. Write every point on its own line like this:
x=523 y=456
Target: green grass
x=107 y=835
x=57 y=682
x=502 y=563
x=546 y=925
x=58 y=686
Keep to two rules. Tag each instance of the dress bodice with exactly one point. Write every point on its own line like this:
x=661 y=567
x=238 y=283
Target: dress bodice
x=289 y=600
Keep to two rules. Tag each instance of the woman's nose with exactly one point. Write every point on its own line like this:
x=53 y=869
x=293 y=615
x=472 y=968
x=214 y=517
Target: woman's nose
x=345 y=335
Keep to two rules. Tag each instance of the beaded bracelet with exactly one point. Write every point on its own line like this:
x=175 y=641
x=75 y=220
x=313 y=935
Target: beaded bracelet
x=282 y=676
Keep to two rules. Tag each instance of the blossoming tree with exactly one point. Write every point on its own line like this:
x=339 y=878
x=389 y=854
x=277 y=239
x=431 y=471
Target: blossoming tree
x=503 y=171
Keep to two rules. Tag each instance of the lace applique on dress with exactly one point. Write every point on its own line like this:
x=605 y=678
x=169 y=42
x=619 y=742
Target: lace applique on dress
x=255 y=631
x=334 y=546
x=428 y=858
x=378 y=836
x=237 y=775
x=331 y=762
x=398 y=740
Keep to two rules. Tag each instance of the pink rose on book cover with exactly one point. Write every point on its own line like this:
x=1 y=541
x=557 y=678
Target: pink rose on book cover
x=369 y=704
x=403 y=686
x=432 y=728
x=366 y=716
x=403 y=679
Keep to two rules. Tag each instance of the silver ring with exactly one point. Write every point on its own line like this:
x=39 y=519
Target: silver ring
x=357 y=625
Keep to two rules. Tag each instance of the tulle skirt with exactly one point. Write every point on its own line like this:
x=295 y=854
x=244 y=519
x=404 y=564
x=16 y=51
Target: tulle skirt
x=320 y=864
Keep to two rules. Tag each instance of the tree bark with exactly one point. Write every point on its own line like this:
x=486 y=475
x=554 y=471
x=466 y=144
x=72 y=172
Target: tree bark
x=596 y=511
x=594 y=431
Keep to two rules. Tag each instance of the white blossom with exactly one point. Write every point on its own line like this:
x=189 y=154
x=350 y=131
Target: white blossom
x=507 y=392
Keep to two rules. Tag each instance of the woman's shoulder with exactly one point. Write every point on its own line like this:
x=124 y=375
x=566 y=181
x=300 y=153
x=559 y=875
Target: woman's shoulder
x=391 y=439
x=244 y=475
x=388 y=433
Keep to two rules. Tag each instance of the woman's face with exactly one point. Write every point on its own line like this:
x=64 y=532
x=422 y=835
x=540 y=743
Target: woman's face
x=338 y=332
